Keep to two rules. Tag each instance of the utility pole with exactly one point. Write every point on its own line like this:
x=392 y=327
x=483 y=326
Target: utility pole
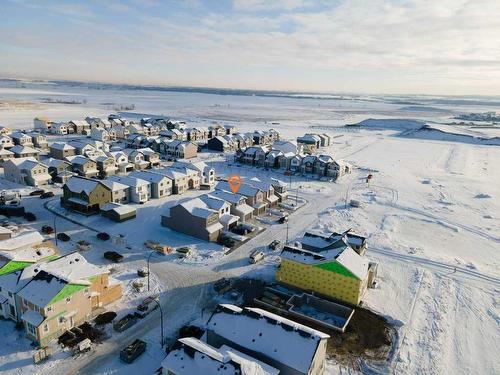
x=55 y=229
x=286 y=233
x=161 y=321
x=149 y=257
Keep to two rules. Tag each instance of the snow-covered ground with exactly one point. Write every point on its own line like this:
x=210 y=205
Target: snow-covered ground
x=431 y=213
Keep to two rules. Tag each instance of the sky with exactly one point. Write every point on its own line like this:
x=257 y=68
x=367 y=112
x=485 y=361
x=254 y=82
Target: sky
x=365 y=46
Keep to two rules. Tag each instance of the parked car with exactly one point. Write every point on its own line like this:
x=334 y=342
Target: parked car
x=283 y=219
x=37 y=192
x=103 y=236
x=125 y=323
x=147 y=306
x=222 y=285
x=256 y=256
x=14 y=202
x=227 y=241
x=133 y=351
x=274 y=245
x=113 y=256
x=47 y=229
x=29 y=216
x=63 y=237
x=47 y=194
x=142 y=272
x=183 y=251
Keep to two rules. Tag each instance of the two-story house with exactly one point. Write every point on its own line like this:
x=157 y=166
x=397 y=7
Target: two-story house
x=85 y=195
x=139 y=189
x=26 y=171
x=83 y=166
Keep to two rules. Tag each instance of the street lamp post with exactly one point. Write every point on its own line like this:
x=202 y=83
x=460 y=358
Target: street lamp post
x=149 y=258
x=161 y=320
x=55 y=229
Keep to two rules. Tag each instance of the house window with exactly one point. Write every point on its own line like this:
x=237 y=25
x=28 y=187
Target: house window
x=60 y=320
x=46 y=328
x=12 y=310
x=10 y=294
x=68 y=300
x=31 y=329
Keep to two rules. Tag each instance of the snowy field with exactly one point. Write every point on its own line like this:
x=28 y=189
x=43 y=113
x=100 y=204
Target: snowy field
x=431 y=213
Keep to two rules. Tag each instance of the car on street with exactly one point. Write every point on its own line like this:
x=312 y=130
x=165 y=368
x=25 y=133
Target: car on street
x=37 y=192
x=274 y=245
x=63 y=237
x=29 y=216
x=142 y=272
x=147 y=306
x=47 y=229
x=133 y=351
x=47 y=194
x=125 y=323
x=256 y=256
x=103 y=236
x=113 y=256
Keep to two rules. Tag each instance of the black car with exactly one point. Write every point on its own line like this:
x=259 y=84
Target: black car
x=37 y=192
x=125 y=323
x=133 y=351
x=113 y=256
x=103 y=236
x=63 y=237
x=274 y=245
x=29 y=216
x=47 y=194
x=47 y=229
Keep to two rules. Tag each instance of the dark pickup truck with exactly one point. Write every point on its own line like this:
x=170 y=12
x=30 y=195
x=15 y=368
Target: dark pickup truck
x=133 y=351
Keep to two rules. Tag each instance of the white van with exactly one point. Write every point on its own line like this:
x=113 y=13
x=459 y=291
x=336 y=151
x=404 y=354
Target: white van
x=256 y=256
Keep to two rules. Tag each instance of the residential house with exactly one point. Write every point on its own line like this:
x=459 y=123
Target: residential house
x=325 y=140
x=280 y=189
x=121 y=161
x=255 y=155
x=119 y=212
x=5 y=155
x=81 y=148
x=21 y=139
x=321 y=163
x=152 y=157
x=179 y=180
x=39 y=141
x=310 y=142
x=4 y=130
x=120 y=193
x=319 y=242
x=161 y=185
x=273 y=159
x=195 y=218
x=205 y=172
x=62 y=294
x=230 y=129
x=243 y=140
x=227 y=219
x=339 y=272
x=288 y=146
x=221 y=144
x=254 y=196
x=295 y=162
x=25 y=152
x=60 y=128
x=61 y=150
x=192 y=356
x=6 y=142
x=103 y=135
x=85 y=195
x=105 y=165
x=78 y=127
x=338 y=168
x=216 y=130
x=267 y=188
x=308 y=163
x=134 y=128
x=239 y=206
x=121 y=132
x=98 y=123
x=179 y=149
x=174 y=134
x=59 y=170
x=42 y=124
x=139 y=189
x=83 y=166
x=26 y=171
x=288 y=346
x=136 y=158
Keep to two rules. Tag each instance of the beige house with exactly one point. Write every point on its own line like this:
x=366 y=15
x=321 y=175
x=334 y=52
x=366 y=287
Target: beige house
x=79 y=126
x=4 y=130
x=26 y=171
x=6 y=142
x=59 y=128
x=152 y=157
x=139 y=189
x=204 y=171
x=85 y=195
x=120 y=193
x=161 y=185
x=39 y=141
x=254 y=196
x=195 y=218
x=121 y=161
x=62 y=294
x=5 y=155
x=106 y=165
x=179 y=149
x=179 y=180
x=136 y=158
x=22 y=139
x=83 y=166
x=61 y=150
x=25 y=152
x=60 y=170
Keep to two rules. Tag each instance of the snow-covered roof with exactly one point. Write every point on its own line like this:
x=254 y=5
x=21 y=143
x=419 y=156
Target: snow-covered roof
x=197 y=357
x=228 y=219
x=5 y=152
x=61 y=146
x=214 y=227
x=121 y=209
x=148 y=176
x=129 y=181
x=79 y=184
x=24 y=150
x=283 y=340
x=244 y=189
x=227 y=196
x=51 y=162
x=23 y=240
x=32 y=317
x=79 y=160
x=26 y=163
x=30 y=254
x=354 y=262
x=197 y=207
x=114 y=185
x=172 y=174
x=214 y=203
